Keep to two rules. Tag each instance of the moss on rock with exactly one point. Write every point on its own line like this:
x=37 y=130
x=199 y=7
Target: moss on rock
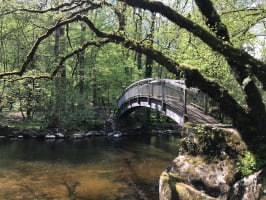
x=206 y=167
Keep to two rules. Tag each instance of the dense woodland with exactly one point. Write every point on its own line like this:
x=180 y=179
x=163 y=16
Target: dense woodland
x=59 y=58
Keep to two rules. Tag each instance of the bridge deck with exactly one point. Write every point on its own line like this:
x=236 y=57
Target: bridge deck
x=198 y=116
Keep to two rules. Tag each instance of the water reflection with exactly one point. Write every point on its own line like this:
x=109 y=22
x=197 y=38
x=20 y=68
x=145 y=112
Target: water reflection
x=95 y=168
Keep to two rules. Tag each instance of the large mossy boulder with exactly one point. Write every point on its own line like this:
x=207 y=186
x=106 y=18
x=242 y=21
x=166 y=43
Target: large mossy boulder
x=208 y=167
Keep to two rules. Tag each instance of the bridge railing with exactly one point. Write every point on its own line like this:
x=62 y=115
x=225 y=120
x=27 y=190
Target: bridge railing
x=172 y=91
x=198 y=100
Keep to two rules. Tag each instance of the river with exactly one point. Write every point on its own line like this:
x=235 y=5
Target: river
x=100 y=168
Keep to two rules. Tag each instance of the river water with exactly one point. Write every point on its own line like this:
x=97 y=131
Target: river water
x=99 y=168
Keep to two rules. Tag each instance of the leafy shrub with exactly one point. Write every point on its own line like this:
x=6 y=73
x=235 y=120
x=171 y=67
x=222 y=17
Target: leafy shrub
x=248 y=163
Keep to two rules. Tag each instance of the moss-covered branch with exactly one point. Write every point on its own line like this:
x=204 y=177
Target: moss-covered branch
x=44 y=76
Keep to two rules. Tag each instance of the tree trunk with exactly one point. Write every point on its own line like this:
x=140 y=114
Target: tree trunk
x=57 y=110
x=81 y=60
x=59 y=79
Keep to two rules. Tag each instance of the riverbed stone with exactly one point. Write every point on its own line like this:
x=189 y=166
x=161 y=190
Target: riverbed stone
x=206 y=168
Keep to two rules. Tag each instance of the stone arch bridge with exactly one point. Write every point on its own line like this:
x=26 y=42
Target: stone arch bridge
x=170 y=97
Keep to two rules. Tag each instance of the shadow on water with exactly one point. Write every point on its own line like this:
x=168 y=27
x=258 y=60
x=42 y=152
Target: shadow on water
x=93 y=168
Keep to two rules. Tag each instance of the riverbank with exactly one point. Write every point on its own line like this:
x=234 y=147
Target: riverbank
x=7 y=132
x=13 y=126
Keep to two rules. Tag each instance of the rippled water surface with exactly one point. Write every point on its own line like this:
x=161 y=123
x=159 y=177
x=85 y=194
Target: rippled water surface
x=94 y=168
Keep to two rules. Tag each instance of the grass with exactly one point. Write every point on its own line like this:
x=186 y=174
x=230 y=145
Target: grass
x=15 y=120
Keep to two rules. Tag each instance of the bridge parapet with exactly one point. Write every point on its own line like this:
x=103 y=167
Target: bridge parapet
x=158 y=88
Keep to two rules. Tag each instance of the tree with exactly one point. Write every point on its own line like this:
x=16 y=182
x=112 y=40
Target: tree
x=204 y=26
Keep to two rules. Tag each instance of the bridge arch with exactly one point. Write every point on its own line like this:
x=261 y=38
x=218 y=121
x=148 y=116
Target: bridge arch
x=155 y=104
x=170 y=97
x=163 y=95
